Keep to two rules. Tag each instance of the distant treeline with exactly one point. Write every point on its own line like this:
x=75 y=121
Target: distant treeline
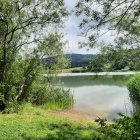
x=111 y=59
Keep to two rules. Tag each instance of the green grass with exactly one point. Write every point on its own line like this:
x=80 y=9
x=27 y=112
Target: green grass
x=35 y=123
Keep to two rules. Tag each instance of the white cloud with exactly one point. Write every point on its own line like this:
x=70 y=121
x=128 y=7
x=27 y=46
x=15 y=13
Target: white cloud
x=72 y=32
x=72 y=46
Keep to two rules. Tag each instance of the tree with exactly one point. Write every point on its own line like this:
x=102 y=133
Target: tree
x=120 y=16
x=119 y=57
x=115 y=56
x=97 y=63
x=28 y=32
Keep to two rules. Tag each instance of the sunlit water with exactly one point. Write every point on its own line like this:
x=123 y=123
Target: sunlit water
x=100 y=96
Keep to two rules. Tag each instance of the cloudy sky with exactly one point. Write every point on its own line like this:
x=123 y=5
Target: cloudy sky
x=72 y=33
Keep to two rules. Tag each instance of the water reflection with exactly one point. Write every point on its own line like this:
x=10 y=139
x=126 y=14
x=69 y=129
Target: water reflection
x=100 y=96
x=135 y=103
x=134 y=97
x=78 y=81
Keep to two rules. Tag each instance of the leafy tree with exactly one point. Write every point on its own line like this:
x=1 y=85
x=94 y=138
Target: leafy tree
x=28 y=32
x=97 y=64
x=115 y=56
x=120 y=16
x=119 y=57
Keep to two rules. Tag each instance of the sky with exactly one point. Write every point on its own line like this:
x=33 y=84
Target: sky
x=72 y=33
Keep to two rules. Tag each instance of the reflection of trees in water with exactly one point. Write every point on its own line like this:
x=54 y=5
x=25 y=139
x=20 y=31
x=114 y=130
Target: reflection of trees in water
x=136 y=107
x=135 y=99
x=134 y=92
x=84 y=80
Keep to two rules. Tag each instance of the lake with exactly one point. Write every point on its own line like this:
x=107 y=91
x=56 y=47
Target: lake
x=99 y=95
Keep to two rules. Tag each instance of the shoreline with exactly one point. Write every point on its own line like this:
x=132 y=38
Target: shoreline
x=93 y=73
x=73 y=115
x=77 y=116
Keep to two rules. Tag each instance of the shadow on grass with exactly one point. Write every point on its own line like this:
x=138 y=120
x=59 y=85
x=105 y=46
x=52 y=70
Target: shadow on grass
x=66 y=131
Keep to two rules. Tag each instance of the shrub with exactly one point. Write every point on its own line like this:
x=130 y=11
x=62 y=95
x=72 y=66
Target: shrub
x=125 y=128
x=134 y=91
x=11 y=108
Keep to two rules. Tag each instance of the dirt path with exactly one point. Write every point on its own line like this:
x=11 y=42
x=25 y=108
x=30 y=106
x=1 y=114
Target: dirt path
x=76 y=116
x=73 y=115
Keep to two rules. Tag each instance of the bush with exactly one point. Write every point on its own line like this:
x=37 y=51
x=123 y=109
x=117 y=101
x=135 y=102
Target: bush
x=134 y=91
x=12 y=107
x=125 y=128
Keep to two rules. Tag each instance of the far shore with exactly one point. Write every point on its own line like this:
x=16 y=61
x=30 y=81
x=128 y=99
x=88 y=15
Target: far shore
x=93 y=73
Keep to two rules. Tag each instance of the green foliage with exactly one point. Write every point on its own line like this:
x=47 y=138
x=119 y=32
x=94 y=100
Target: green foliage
x=134 y=89
x=12 y=107
x=62 y=98
x=120 y=16
x=125 y=128
x=116 y=56
x=25 y=39
x=96 y=64
x=120 y=58
x=1 y=97
x=51 y=97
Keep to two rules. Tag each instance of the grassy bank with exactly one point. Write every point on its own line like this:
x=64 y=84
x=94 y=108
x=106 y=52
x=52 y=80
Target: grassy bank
x=35 y=123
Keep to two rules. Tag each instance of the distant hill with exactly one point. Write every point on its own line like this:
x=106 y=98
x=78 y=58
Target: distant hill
x=76 y=60
x=79 y=60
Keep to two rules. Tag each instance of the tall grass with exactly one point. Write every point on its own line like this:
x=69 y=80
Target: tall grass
x=134 y=91
x=58 y=98
x=50 y=95
x=47 y=98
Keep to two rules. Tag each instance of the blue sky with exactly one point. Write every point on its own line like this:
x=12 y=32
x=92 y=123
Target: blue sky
x=72 y=33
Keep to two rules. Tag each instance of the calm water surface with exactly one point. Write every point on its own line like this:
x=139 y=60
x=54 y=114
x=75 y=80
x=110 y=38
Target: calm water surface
x=100 y=96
